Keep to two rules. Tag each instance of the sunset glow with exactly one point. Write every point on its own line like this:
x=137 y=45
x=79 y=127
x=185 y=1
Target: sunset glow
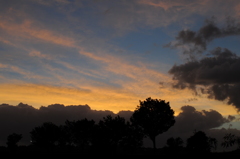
x=103 y=54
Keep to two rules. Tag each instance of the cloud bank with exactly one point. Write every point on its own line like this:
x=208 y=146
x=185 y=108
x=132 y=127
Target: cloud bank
x=23 y=118
x=215 y=74
x=190 y=120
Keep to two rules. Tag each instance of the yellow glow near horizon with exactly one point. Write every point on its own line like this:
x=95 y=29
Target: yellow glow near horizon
x=101 y=98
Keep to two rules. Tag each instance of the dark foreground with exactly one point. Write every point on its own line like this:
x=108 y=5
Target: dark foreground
x=140 y=152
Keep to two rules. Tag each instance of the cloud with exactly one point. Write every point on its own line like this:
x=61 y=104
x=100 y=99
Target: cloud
x=118 y=77
x=137 y=78
x=122 y=16
x=133 y=77
x=198 y=40
x=35 y=53
x=119 y=65
x=22 y=118
x=190 y=120
x=213 y=74
x=217 y=74
x=21 y=71
x=27 y=30
x=160 y=13
x=113 y=98
x=166 y=5
x=53 y=2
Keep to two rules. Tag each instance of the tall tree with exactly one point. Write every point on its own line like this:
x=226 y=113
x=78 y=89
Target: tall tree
x=153 y=116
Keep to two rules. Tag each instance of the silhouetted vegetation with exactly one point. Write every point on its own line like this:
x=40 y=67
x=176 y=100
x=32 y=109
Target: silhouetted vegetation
x=115 y=135
x=230 y=140
x=46 y=136
x=80 y=133
x=200 y=143
x=154 y=117
x=12 y=141
x=175 y=144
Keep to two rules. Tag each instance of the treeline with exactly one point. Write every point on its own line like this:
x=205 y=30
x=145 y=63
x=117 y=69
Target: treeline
x=110 y=135
x=115 y=135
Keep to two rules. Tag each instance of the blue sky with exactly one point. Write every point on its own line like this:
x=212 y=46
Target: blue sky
x=104 y=53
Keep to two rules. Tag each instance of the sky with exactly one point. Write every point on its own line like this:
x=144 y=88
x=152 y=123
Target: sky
x=109 y=54
x=70 y=59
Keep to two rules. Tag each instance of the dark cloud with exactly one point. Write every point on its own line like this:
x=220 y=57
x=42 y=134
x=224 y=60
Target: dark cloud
x=230 y=117
x=191 y=99
x=190 y=120
x=215 y=74
x=218 y=74
x=23 y=118
x=198 y=40
x=126 y=114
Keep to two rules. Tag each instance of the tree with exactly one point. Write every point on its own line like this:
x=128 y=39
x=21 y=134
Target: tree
x=175 y=144
x=133 y=139
x=153 y=116
x=112 y=131
x=46 y=136
x=201 y=143
x=12 y=141
x=115 y=134
x=81 y=132
x=230 y=139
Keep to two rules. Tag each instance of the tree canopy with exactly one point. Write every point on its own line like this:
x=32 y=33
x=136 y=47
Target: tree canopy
x=153 y=116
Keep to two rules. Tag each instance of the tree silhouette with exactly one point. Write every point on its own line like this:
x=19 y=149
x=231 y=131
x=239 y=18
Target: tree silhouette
x=154 y=117
x=113 y=130
x=46 y=136
x=133 y=140
x=175 y=144
x=81 y=132
x=64 y=137
x=200 y=143
x=229 y=140
x=12 y=141
x=212 y=142
x=115 y=135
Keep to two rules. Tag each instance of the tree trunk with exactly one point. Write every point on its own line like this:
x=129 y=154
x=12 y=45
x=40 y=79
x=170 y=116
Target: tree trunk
x=154 y=143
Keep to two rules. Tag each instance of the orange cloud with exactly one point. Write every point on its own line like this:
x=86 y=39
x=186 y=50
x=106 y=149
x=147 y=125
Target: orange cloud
x=183 y=11
x=48 y=3
x=80 y=70
x=138 y=78
x=120 y=66
x=100 y=97
x=237 y=9
x=3 y=66
x=162 y=4
x=27 y=30
x=35 y=53
x=97 y=98
x=166 y=5
x=145 y=82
